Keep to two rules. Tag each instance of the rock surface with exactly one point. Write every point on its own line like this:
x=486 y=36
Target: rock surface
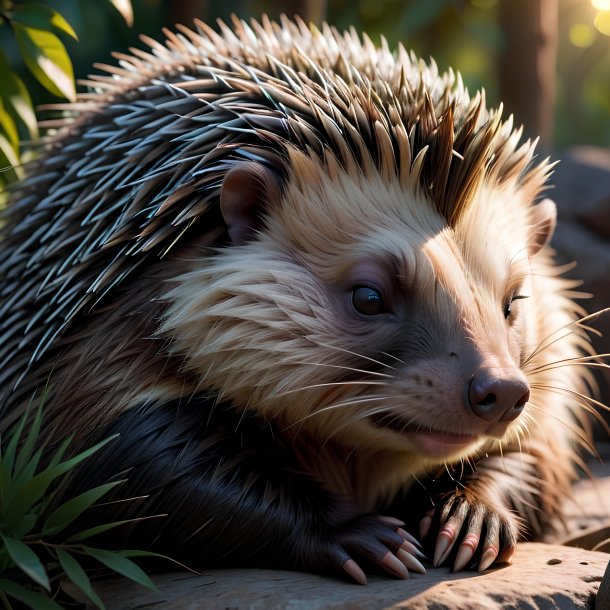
x=542 y=576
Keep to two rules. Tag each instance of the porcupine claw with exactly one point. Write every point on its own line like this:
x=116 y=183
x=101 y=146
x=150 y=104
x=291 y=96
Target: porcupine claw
x=497 y=544
x=379 y=540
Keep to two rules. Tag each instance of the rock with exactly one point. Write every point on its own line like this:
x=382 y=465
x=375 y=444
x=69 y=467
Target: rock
x=542 y=576
x=581 y=180
x=602 y=601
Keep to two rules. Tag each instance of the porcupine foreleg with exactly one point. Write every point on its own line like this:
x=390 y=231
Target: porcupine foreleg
x=233 y=497
x=480 y=511
x=474 y=524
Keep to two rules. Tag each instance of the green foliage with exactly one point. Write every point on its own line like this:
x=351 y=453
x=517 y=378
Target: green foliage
x=29 y=529
x=36 y=30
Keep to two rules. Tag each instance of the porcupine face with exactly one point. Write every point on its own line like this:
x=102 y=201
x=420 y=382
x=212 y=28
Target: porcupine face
x=358 y=315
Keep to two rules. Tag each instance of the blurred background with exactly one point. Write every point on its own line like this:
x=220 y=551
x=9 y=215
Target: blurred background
x=548 y=61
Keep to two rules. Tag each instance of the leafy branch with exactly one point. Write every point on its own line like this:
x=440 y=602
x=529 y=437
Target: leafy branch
x=31 y=559
x=36 y=29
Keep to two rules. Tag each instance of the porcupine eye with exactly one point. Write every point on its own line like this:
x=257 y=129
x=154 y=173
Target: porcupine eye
x=509 y=302
x=367 y=300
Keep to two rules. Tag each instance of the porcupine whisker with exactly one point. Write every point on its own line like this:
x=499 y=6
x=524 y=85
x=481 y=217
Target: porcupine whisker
x=543 y=346
x=590 y=361
x=346 y=368
x=586 y=401
x=524 y=428
x=518 y=433
x=406 y=424
x=455 y=481
x=399 y=360
x=350 y=421
x=338 y=405
x=552 y=390
x=576 y=431
x=369 y=412
x=329 y=384
x=347 y=351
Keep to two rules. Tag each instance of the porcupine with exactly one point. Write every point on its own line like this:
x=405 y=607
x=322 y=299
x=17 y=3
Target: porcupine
x=308 y=282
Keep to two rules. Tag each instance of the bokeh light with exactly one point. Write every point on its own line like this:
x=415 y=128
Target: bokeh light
x=602 y=22
x=602 y=5
x=582 y=35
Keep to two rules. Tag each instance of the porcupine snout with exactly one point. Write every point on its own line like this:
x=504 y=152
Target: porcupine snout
x=497 y=395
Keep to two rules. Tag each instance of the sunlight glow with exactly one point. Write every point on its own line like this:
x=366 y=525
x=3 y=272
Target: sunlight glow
x=602 y=22
x=601 y=5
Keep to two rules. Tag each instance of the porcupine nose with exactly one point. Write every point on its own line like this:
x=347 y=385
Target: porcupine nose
x=495 y=395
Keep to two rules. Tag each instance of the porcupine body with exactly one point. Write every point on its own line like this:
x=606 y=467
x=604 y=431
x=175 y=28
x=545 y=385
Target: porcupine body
x=301 y=276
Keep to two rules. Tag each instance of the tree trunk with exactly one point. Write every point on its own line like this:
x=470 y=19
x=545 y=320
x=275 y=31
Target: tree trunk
x=527 y=63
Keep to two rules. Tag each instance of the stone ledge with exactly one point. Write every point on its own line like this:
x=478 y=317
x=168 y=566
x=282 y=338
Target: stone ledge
x=542 y=576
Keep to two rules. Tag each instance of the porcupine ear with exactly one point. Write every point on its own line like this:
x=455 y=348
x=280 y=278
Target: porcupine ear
x=246 y=190
x=544 y=219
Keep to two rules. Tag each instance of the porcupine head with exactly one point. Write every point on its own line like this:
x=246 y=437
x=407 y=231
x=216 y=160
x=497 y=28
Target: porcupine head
x=378 y=301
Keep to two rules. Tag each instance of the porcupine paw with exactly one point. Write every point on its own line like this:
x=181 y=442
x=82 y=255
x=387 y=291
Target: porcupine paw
x=471 y=534
x=372 y=541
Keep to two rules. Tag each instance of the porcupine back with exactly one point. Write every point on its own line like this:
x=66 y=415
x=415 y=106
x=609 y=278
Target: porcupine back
x=136 y=167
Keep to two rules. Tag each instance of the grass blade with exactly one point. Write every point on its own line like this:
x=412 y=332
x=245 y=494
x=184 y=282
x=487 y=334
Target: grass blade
x=67 y=512
x=28 y=446
x=37 y=486
x=98 y=529
x=8 y=456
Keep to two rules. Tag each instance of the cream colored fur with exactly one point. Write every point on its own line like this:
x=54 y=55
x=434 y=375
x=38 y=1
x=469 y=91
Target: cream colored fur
x=266 y=326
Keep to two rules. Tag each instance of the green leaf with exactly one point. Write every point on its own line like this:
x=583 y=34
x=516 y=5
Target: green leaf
x=30 y=441
x=47 y=59
x=8 y=161
x=26 y=560
x=33 y=600
x=59 y=454
x=124 y=7
x=28 y=470
x=98 y=529
x=24 y=526
x=16 y=97
x=41 y=17
x=9 y=128
x=63 y=515
x=8 y=456
x=121 y=565
x=5 y=483
x=77 y=575
x=136 y=553
x=34 y=489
